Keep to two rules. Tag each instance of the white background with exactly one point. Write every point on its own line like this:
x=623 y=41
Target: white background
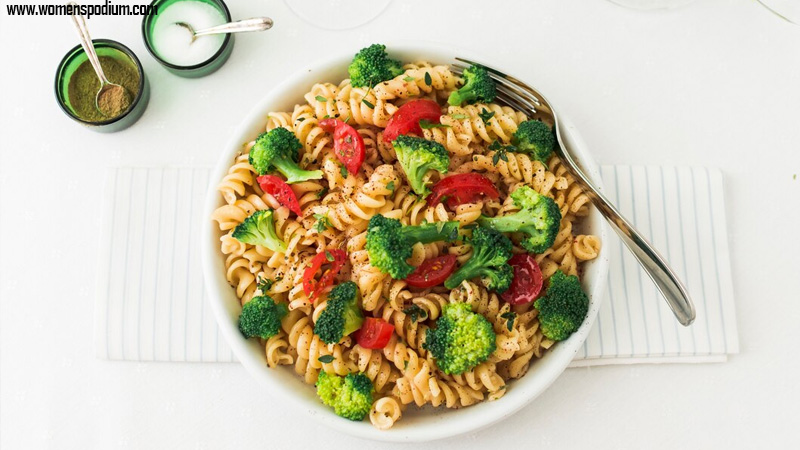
x=716 y=84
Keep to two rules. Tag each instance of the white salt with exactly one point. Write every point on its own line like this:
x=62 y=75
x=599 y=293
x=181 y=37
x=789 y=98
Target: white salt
x=173 y=43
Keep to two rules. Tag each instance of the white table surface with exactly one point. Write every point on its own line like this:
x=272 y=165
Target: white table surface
x=714 y=84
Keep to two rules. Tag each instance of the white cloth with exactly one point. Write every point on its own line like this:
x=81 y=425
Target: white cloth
x=151 y=303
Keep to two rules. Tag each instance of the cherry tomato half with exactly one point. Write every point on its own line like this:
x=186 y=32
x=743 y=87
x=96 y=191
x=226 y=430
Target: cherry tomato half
x=527 y=282
x=348 y=145
x=336 y=258
x=276 y=187
x=462 y=188
x=406 y=119
x=432 y=271
x=374 y=333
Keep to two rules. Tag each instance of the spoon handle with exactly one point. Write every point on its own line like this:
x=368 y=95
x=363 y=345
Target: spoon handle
x=240 y=26
x=86 y=42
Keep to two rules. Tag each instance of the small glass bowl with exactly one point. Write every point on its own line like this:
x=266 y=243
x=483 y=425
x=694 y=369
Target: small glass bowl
x=104 y=47
x=198 y=70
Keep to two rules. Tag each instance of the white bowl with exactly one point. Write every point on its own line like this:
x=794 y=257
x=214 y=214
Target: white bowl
x=415 y=426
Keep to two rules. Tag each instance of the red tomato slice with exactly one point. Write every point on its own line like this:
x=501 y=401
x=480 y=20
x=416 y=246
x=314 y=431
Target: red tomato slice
x=462 y=188
x=527 y=282
x=406 y=119
x=432 y=271
x=276 y=187
x=348 y=145
x=336 y=258
x=374 y=333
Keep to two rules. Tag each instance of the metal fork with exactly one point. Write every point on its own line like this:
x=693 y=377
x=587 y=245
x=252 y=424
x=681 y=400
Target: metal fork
x=520 y=96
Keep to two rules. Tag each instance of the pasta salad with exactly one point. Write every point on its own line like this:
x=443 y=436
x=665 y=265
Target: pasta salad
x=400 y=239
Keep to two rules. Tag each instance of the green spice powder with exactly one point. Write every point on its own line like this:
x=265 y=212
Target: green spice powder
x=83 y=86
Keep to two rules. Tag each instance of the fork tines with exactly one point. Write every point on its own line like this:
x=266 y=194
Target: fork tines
x=512 y=91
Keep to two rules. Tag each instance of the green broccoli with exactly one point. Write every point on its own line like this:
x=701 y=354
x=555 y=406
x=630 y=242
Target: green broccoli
x=342 y=315
x=389 y=242
x=372 y=65
x=539 y=218
x=259 y=229
x=461 y=340
x=349 y=396
x=261 y=317
x=278 y=149
x=534 y=138
x=491 y=251
x=417 y=156
x=478 y=87
x=563 y=306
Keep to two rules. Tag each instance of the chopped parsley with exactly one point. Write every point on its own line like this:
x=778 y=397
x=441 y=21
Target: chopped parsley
x=486 y=115
x=369 y=105
x=322 y=193
x=329 y=256
x=415 y=313
x=265 y=284
x=500 y=151
x=390 y=186
x=459 y=116
x=427 y=125
x=409 y=78
x=322 y=223
x=343 y=171
x=321 y=98
x=510 y=317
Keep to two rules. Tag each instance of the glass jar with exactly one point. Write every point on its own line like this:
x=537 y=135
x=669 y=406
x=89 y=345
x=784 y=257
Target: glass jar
x=104 y=47
x=197 y=70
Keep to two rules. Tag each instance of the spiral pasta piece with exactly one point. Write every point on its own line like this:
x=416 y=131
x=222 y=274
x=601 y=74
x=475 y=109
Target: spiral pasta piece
x=417 y=81
x=385 y=412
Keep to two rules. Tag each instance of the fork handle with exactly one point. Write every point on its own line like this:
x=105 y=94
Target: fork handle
x=652 y=262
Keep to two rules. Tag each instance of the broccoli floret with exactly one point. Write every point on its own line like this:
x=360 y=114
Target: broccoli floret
x=261 y=317
x=259 y=229
x=478 y=87
x=491 y=251
x=389 y=242
x=278 y=149
x=349 y=396
x=563 y=306
x=538 y=217
x=534 y=138
x=342 y=315
x=372 y=65
x=461 y=340
x=418 y=156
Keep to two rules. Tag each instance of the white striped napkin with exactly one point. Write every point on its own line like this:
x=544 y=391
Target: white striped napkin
x=151 y=305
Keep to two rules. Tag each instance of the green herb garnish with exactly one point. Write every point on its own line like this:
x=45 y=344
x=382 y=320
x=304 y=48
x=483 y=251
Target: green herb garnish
x=427 y=125
x=486 y=115
x=510 y=317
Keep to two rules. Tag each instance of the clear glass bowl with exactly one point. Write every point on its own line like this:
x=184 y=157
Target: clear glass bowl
x=198 y=70
x=104 y=47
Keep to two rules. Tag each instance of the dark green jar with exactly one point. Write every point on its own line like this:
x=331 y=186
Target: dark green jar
x=198 y=70
x=104 y=47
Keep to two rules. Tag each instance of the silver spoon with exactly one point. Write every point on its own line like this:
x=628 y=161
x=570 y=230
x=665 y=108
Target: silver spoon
x=240 y=26
x=107 y=88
